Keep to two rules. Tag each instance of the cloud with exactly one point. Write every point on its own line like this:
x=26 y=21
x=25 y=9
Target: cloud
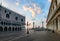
x=33 y=8
x=32 y=11
x=39 y=10
x=50 y=1
x=17 y=3
x=25 y=8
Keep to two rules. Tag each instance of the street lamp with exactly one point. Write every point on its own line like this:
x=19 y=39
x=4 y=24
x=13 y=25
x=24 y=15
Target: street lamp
x=42 y=24
x=27 y=28
x=33 y=24
x=28 y=24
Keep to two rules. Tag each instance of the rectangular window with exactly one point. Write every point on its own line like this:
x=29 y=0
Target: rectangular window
x=56 y=2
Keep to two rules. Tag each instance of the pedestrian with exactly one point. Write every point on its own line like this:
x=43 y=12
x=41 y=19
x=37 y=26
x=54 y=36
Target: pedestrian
x=52 y=31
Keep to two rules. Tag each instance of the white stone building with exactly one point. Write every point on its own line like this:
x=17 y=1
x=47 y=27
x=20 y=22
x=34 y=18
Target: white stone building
x=10 y=20
x=53 y=19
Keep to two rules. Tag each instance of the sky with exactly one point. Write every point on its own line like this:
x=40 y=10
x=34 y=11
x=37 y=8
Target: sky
x=34 y=10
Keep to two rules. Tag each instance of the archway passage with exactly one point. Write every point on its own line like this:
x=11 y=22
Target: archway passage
x=9 y=29
x=1 y=28
x=16 y=29
x=5 y=29
x=13 y=28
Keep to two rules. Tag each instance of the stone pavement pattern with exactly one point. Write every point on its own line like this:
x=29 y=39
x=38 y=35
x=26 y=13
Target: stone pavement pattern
x=32 y=36
x=40 y=36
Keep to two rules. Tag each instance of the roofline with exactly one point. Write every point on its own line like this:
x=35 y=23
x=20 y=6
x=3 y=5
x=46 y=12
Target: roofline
x=49 y=9
x=11 y=10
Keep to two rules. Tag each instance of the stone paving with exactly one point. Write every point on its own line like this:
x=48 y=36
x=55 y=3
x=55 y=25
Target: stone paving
x=32 y=36
x=40 y=36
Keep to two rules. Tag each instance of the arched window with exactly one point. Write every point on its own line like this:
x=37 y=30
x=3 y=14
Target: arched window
x=2 y=23
x=7 y=16
x=0 y=8
x=16 y=18
x=21 y=20
x=9 y=12
x=5 y=11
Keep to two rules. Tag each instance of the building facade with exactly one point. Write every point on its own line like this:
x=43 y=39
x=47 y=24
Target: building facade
x=53 y=19
x=10 y=20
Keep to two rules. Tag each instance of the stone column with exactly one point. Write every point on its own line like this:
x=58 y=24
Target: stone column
x=17 y=28
x=14 y=28
x=53 y=25
x=58 y=23
x=7 y=28
x=11 y=28
x=3 y=28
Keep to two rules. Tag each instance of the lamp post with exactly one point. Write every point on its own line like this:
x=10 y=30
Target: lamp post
x=27 y=28
x=42 y=24
x=33 y=24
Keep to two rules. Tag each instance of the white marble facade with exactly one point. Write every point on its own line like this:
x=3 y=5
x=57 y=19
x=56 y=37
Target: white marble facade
x=53 y=19
x=10 y=20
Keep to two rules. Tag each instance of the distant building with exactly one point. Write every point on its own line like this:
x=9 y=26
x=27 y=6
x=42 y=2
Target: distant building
x=10 y=20
x=53 y=19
